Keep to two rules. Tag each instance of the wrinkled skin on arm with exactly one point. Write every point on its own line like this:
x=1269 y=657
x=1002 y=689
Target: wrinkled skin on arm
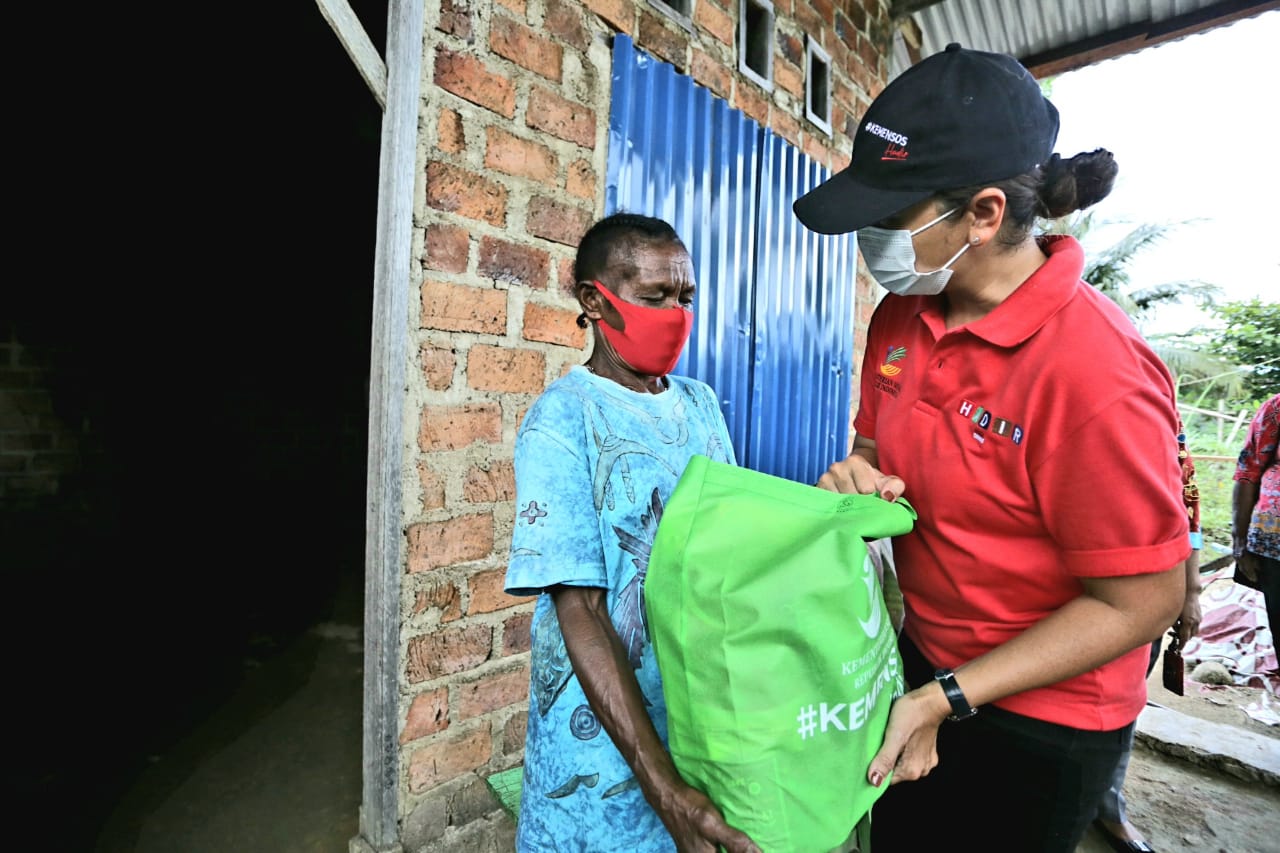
x=601 y=664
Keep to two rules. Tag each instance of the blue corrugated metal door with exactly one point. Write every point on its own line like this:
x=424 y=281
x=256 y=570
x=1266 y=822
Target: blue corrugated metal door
x=773 y=332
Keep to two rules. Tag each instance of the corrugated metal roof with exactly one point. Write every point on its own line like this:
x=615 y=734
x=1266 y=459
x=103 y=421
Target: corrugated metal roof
x=1051 y=37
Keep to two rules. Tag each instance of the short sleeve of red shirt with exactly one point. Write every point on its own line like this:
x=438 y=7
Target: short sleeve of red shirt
x=1129 y=441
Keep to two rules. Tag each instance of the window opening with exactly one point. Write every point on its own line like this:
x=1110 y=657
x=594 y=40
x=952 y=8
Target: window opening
x=681 y=11
x=817 y=85
x=755 y=41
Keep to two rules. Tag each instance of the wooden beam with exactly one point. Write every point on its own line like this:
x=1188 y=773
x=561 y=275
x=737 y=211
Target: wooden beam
x=390 y=355
x=358 y=45
x=1135 y=37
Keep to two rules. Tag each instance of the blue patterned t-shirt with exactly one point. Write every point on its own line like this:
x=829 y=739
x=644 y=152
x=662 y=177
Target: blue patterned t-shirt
x=595 y=463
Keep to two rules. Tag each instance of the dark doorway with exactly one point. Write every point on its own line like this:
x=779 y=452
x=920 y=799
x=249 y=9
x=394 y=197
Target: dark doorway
x=205 y=343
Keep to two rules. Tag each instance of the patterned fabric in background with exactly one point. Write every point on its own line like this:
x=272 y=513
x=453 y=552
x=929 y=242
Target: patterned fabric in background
x=1258 y=464
x=1234 y=633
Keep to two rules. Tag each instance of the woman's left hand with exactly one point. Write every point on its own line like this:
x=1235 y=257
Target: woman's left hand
x=910 y=748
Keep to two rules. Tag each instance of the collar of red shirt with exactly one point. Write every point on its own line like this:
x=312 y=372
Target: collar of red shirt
x=1029 y=307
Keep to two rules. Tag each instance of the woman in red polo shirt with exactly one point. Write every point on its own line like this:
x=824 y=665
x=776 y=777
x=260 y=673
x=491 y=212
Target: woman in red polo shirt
x=1034 y=431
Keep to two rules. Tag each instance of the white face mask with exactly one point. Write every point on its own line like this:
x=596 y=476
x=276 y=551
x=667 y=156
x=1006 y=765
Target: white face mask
x=891 y=259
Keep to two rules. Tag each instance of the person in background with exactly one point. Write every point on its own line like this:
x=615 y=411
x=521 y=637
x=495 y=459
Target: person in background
x=1113 y=816
x=1034 y=431
x=1255 y=504
x=596 y=458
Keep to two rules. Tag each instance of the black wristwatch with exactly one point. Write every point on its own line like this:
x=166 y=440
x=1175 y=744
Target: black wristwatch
x=960 y=707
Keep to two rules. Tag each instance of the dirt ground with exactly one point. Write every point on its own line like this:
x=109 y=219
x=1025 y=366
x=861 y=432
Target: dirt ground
x=1181 y=806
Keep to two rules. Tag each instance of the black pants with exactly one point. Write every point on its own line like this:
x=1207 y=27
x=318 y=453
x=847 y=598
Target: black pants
x=1269 y=586
x=1004 y=781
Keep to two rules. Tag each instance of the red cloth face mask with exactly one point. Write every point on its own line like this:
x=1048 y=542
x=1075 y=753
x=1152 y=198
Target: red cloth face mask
x=652 y=338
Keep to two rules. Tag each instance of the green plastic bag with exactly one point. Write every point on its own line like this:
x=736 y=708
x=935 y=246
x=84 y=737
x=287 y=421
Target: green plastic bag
x=777 y=657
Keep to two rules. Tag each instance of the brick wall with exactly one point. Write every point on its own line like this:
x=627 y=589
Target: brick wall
x=37 y=449
x=513 y=135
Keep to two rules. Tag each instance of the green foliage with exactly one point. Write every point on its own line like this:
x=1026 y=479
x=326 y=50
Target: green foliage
x=1251 y=338
x=1108 y=269
x=1214 y=444
x=1214 y=481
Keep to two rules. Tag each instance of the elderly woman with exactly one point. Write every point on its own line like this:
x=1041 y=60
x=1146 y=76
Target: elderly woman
x=1035 y=433
x=596 y=457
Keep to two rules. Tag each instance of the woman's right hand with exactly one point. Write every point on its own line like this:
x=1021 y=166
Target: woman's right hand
x=855 y=475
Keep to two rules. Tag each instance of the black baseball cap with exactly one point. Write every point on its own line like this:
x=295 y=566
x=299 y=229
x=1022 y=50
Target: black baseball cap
x=958 y=118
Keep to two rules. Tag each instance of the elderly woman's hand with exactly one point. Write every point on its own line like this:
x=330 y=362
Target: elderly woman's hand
x=856 y=475
x=696 y=824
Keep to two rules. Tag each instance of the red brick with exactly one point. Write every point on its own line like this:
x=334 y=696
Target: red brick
x=487 y=595
x=581 y=180
x=825 y=10
x=428 y=714
x=433 y=765
x=748 y=98
x=550 y=325
x=492 y=692
x=432 y=485
x=468 y=78
x=517 y=371
x=664 y=39
x=792 y=48
x=565 y=278
x=513 y=733
x=445 y=652
x=716 y=22
x=514 y=263
x=551 y=220
x=620 y=13
x=857 y=15
x=517 y=6
x=816 y=147
x=440 y=595
x=437 y=366
x=521 y=157
x=565 y=23
x=808 y=20
x=496 y=482
x=452 y=427
x=788 y=78
x=845 y=29
x=462 y=308
x=785 y=125
x=447 y=248
x=712 y=73
x=449 y=134
x=455 y=19
x=455 y=190
x=515 y=634
x=870 y=55
x=561 y=117
x=524 y=47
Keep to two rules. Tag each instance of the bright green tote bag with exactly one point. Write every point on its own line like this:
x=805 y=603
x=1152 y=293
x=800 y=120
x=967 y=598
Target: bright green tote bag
x=777 y=657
